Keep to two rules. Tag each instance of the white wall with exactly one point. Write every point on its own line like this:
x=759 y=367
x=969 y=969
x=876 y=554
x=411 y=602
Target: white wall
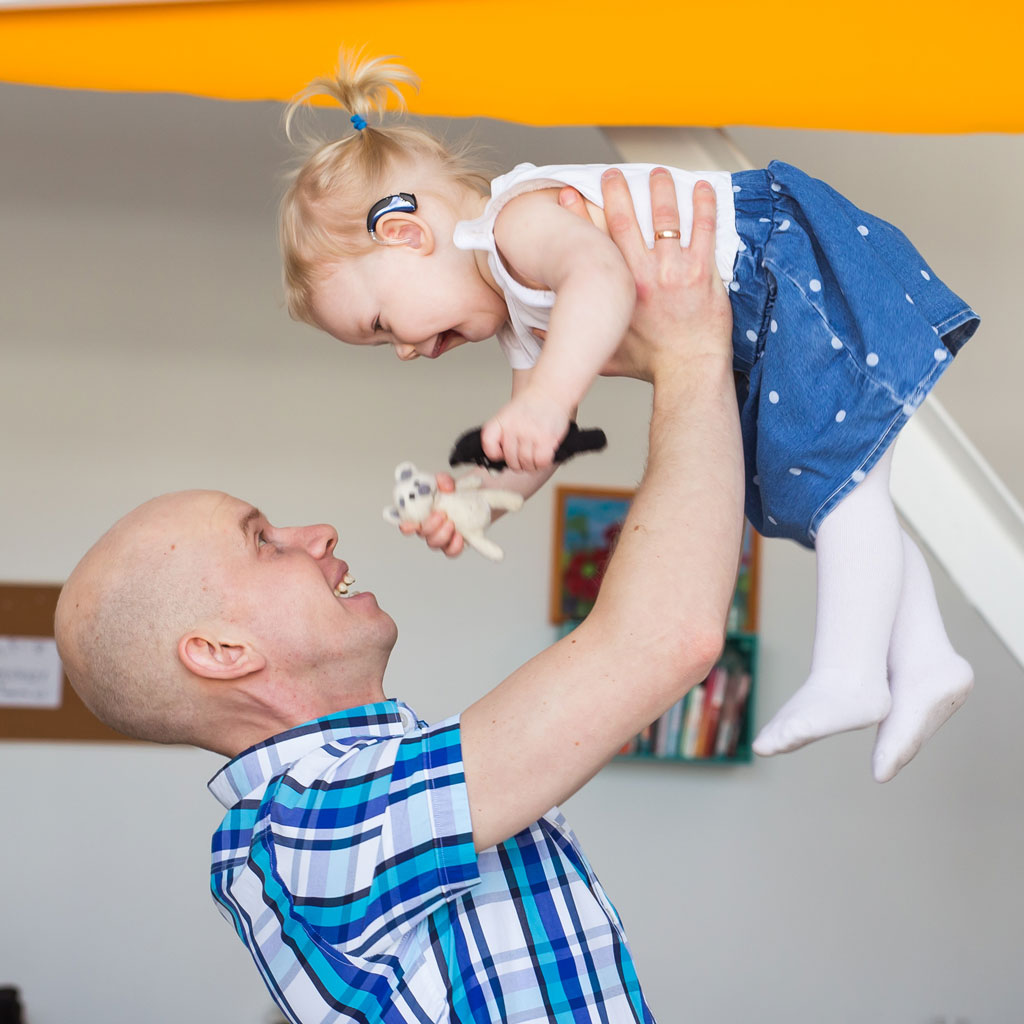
x=145 y=349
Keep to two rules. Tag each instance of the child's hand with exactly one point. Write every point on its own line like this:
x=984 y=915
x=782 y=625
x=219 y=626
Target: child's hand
x=526 y=432
x=437 y=529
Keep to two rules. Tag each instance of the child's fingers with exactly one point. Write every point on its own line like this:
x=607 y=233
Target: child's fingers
x=490 y=440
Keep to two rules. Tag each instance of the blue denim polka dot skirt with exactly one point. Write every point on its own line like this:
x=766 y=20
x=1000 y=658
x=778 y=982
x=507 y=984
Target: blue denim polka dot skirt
x=840 y=330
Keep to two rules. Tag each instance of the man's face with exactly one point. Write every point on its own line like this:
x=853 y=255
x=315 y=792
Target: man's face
x=283 y=590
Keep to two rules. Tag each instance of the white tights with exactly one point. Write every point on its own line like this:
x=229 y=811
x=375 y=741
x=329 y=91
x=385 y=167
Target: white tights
x=881 y=654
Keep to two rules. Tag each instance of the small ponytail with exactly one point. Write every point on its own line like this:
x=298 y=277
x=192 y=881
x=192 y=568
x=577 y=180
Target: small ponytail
x=359 y=86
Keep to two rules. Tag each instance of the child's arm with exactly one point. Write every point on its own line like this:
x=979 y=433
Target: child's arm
x=548 y=247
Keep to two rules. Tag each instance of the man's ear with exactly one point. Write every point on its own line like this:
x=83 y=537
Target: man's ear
x=408 y=229
x=218 y=659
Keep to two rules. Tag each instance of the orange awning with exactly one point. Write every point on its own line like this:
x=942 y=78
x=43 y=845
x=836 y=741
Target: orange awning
x=876 y=65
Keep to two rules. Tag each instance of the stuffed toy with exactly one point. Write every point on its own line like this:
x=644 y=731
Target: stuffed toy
x=468 y=507
x=469 y=449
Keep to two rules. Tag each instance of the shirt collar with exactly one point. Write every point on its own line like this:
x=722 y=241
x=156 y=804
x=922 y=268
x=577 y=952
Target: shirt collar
x=254 y=767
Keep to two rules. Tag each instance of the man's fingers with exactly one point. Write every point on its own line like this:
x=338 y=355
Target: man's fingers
x=621 y=217
x=664 y=203
x=702 y=240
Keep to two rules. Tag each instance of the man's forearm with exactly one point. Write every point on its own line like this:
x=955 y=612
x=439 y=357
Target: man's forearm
x=673 y=574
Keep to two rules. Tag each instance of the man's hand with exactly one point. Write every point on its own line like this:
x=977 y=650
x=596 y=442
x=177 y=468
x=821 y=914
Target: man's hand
x=437 y=529
x=682 y=310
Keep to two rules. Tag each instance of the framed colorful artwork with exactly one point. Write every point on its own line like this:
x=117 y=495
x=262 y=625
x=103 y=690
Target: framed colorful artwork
x=587 y=525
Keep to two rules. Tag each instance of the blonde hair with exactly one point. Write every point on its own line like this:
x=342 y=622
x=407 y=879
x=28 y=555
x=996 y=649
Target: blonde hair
x=323 y=211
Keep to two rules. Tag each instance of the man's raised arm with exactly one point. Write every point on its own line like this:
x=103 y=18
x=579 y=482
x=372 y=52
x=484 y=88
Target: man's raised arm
x=658 y=625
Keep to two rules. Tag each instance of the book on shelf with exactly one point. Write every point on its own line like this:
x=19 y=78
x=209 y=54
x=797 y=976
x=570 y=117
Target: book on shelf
x=714 y=687
x=691 y=721
x=709 y=723
x=731 y=719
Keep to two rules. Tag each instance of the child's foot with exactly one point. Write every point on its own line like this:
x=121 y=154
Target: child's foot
x=822 y=707
x=920 y=704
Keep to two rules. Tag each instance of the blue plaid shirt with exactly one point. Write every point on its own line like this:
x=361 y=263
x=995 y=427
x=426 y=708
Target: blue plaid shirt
x=346 y=864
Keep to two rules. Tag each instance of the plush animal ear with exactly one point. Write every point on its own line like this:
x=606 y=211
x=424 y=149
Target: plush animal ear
x=391 y=515
x=404 y=471
x=406 y=229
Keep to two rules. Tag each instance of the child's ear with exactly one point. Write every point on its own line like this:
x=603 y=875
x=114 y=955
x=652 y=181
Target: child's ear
x=405 y=229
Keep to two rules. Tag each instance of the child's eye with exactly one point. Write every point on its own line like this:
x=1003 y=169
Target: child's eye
x=377 y=325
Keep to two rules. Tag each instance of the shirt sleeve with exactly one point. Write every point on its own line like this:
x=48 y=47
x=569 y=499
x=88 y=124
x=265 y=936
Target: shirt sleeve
x=522 y=354
x=369 y=838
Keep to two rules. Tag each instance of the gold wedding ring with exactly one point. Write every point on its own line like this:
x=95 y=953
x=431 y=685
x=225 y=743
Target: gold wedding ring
x=667 y=233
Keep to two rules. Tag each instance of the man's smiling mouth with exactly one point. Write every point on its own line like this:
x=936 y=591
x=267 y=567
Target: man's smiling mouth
x=346 y=581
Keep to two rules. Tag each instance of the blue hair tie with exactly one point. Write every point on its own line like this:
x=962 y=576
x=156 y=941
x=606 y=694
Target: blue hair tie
x=358 y=121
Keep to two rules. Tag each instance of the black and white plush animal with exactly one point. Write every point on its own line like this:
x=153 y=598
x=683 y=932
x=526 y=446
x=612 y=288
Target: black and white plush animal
x=468 y=507
x=469 y=448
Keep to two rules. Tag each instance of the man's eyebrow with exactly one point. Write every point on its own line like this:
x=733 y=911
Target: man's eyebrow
x=247 y=520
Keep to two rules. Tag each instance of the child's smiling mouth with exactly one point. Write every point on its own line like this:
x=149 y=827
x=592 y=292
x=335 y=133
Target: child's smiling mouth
x=443 y=343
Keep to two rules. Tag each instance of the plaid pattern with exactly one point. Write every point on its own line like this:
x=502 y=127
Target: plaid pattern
x=346 y=864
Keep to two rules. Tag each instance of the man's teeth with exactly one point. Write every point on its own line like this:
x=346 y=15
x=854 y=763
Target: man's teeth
x=341 y=590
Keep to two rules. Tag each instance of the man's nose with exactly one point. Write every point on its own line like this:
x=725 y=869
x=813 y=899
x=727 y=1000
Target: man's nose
x=317 y=540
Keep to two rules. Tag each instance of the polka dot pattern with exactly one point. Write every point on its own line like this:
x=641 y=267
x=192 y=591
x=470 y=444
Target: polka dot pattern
x=815 y=415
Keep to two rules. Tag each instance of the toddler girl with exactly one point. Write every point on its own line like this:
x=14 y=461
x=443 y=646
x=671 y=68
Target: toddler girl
x=840 y=331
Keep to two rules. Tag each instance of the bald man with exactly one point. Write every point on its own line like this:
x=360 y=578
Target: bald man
x=379 y=868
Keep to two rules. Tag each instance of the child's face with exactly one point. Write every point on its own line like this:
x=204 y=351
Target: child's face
x=423 y=304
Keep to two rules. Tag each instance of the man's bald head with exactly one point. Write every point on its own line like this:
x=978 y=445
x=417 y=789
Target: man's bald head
x=122 y=611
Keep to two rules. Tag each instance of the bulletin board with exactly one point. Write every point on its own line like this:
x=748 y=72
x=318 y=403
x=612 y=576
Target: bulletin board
x=26 y=610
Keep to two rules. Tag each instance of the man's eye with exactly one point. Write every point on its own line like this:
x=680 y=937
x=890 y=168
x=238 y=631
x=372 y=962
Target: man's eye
x=261 y=539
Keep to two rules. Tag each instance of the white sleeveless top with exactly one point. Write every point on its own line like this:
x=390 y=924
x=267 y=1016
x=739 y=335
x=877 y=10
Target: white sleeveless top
x=530 y=308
